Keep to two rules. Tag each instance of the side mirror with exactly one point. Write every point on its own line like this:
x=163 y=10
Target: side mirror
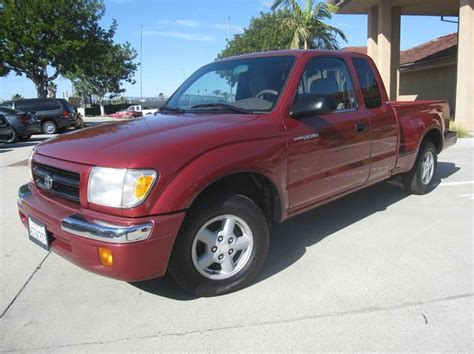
x=313 y=105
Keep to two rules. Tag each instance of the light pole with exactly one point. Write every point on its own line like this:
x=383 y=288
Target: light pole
x=141 y=64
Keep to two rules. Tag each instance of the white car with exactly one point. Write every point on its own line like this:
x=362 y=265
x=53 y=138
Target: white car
x=144 y=109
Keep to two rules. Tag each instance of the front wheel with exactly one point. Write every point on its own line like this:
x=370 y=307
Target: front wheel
x=221 y=248
x=421 y=178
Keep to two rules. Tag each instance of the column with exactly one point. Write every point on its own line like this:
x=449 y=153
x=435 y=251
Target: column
x=388 y=46
x=464 y=114
x=372 y=32
x=395 y=54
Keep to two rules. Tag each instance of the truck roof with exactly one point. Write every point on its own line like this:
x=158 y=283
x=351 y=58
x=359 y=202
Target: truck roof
x=296 y=53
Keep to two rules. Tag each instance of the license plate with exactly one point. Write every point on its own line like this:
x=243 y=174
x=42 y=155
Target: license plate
x=38 y=233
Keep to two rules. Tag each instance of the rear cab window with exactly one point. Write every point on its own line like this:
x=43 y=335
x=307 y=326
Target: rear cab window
x=368 y=83
x=328 y=76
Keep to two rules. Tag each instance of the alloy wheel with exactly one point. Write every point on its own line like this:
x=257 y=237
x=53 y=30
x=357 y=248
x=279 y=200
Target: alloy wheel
x=222 y=247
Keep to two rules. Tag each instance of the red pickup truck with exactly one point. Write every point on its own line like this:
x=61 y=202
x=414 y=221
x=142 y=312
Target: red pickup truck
x=243 y=143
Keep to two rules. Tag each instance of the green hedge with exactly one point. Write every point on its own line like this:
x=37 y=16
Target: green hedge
x=113 y=108
x=92 y=111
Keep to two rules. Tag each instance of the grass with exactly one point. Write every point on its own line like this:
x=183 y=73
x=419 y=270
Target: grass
x=459 y=130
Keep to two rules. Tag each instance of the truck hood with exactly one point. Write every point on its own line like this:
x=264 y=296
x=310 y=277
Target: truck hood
x=140 y=142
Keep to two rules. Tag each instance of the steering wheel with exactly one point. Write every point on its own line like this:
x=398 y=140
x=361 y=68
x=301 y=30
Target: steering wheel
x=266 y=92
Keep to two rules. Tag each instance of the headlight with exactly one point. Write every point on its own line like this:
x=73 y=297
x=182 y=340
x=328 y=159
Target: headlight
x=30 y=165
x=119 y=187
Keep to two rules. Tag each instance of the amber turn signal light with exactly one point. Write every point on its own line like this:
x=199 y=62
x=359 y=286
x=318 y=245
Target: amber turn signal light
x=105 y=256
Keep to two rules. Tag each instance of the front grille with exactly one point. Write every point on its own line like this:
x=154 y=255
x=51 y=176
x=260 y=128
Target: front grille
x=62 y=183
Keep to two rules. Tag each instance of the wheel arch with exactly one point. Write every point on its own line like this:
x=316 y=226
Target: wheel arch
x=252 y=184
x=433 y=135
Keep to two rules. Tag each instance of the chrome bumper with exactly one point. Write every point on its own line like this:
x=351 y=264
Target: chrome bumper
x=98 y=230
x=101 y=231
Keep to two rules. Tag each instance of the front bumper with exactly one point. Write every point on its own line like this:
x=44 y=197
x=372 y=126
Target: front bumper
x=34 y=128
x=64 y=123
x=76 y=234
x=27 y=129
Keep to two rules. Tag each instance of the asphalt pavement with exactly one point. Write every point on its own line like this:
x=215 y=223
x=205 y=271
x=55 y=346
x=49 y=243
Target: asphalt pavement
x=378 y=270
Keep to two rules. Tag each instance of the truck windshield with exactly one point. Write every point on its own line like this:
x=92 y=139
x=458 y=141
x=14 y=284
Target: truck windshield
x=236 y=86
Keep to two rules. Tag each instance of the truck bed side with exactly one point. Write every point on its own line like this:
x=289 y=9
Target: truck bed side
x=418 y=120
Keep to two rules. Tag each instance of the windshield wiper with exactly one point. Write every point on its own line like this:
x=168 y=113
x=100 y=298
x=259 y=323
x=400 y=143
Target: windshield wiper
x=171 y=109
x=222 y=106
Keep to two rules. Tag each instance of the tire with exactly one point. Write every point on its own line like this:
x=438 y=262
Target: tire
x=24 y=137
x=421 y=178
x=231 y=268
x=13 y=138
x=49 y=127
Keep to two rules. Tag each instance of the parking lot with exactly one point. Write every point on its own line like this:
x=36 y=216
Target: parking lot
x=378 y=270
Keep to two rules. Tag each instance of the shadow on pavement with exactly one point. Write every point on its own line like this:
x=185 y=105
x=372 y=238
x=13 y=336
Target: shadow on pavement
x=164 y=286
x=30 y=142
x=290 y=239
x=446 y=169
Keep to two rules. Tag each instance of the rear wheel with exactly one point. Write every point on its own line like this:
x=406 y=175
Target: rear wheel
x=421 y=178
x=221 y=248
x=49 y=127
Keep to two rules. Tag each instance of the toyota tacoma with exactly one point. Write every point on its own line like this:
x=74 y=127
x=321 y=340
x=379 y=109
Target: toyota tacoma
x=244 y=142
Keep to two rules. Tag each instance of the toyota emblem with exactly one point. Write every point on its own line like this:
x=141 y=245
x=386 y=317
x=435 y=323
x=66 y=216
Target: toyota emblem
x=48 y=182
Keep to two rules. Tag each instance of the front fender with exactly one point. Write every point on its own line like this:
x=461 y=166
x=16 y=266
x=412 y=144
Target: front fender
x=264 y=156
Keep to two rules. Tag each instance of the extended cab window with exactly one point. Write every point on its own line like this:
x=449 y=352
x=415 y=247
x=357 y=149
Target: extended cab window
x=328 y=77
x=368 y=83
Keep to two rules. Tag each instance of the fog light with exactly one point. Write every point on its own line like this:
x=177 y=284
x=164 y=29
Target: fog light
x=105 y=256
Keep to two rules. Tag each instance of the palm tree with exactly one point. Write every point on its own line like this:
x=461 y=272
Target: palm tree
x=307 y=24
x=16 y=97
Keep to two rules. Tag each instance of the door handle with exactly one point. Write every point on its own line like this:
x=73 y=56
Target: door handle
x=361 y=127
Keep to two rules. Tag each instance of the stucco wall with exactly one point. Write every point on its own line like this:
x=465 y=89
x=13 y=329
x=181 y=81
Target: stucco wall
x=429 y=84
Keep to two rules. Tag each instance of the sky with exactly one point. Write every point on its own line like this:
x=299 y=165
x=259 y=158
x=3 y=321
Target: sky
x=179 y=36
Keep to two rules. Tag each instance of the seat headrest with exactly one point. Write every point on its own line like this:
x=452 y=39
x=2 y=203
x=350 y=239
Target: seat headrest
x=324 y=86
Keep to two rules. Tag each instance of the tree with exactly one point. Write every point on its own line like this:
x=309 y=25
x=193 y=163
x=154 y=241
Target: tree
x=264 y=33
x=52 y=88
x=37 y=35
x=114 y=64
x=16 y=97
x=307 y=26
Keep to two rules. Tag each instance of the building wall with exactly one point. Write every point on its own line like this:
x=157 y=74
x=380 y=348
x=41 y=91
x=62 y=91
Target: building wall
x=429 y=84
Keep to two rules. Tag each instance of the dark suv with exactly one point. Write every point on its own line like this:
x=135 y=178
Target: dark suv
x=55 y=114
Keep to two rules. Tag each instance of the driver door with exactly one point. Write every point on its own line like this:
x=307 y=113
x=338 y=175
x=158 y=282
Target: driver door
x=328 y=154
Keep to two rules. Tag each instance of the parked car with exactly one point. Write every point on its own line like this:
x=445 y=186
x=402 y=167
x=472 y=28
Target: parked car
x=7 y=135
x=55 y=114
x=23 y=124
x=143 y=109
x=125 y=113
x=244 y=142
